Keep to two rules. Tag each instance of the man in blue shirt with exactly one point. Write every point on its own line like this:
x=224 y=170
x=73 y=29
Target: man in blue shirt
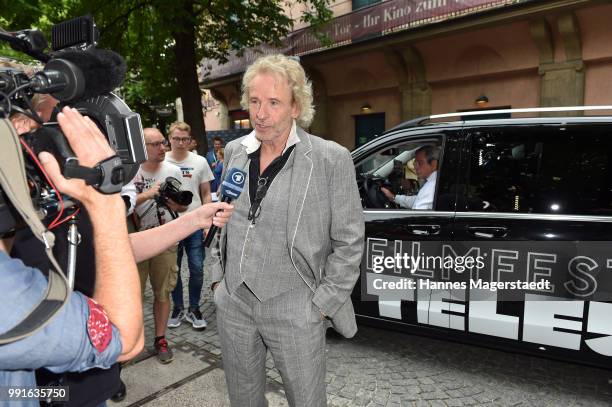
x=211 y=156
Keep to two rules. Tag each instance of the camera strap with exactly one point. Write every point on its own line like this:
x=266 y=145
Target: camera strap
x=13 y=182
x=107 y=176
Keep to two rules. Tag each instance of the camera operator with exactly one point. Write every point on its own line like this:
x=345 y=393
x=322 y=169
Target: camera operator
x=94 y=386
x=153 y=210
x=86 y=333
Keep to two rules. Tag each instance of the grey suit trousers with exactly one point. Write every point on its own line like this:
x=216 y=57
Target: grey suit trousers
x=290 y=326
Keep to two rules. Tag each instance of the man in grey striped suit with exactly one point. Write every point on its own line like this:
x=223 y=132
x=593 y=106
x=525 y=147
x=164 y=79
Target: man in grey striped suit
x=284 y=267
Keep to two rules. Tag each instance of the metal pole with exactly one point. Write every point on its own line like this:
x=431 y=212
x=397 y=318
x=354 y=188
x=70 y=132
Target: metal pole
x=74 y=239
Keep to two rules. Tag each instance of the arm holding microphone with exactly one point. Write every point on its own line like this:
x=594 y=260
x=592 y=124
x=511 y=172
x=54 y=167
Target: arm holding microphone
x=152 y=242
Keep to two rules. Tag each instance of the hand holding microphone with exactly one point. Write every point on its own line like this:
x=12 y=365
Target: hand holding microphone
x=231 y=187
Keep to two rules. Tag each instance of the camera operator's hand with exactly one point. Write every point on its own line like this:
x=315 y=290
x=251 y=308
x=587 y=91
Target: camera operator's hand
x=90 y=147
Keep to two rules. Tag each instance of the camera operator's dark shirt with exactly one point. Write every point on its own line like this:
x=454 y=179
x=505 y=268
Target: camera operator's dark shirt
x=32 y=252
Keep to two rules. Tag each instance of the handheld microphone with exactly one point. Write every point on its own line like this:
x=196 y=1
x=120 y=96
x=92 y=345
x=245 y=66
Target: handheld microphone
x=231 y=187
x=75 y=75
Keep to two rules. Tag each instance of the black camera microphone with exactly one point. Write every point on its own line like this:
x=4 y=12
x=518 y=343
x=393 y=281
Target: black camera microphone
x=31 y=42
x=76 y=75
x=231 y=187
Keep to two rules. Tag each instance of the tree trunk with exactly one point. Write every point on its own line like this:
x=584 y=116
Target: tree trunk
x=187 y=77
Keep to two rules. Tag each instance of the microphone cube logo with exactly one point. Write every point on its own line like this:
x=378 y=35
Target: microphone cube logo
x=232 y=186
x=238 y=178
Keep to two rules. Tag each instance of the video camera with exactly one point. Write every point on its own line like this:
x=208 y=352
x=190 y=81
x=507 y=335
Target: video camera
x=78 y=74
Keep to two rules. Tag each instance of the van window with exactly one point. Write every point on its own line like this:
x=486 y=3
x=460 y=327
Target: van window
x=393 y=169
x=552 y=170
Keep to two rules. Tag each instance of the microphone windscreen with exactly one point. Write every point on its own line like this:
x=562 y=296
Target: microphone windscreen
x=232 y=185
x=103 y=70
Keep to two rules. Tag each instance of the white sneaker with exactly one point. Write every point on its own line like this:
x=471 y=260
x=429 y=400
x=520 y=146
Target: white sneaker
x=175 y=319
x=197 y=320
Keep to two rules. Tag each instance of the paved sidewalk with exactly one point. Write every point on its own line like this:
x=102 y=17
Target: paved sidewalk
x=376 y=368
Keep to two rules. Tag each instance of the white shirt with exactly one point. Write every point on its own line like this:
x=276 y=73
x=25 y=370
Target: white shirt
x=129 y=190
x=252 y=143
x=195 y=170
x=149 y=213
x=424 y=199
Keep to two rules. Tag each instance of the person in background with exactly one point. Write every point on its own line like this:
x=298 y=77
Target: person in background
x=193 y=145
x=211 y=156
x=426 y=167
x=196 y=177
x=216 y=183
x=151 y=213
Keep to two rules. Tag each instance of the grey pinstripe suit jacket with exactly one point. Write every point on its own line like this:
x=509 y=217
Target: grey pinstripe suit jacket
x=325 y=230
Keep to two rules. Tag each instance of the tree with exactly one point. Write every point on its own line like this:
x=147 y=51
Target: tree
x=164 y=41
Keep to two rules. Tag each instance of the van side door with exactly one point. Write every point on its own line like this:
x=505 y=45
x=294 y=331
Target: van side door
x=394 y=234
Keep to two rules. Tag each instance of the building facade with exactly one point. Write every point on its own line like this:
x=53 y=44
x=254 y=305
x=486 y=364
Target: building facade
x=399 y=59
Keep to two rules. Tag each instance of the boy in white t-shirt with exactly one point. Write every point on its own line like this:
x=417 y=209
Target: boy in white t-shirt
x=196 y=177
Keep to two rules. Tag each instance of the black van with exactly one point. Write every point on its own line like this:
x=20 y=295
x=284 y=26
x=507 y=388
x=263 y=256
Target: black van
x=516 y=249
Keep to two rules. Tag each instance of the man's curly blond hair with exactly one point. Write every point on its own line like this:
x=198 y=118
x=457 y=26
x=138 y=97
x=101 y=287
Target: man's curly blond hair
x=292 y=71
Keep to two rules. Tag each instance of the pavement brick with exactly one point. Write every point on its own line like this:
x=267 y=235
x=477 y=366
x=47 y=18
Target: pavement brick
x=427 y=388
x=454 y=403
x=454 y=393
x=425 y=380
x=467 y=401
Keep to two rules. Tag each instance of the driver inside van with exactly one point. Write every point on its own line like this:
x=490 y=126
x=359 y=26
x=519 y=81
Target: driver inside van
x=426 y=168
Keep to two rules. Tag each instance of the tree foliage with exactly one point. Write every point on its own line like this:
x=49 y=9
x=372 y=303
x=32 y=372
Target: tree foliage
x=164 y=41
